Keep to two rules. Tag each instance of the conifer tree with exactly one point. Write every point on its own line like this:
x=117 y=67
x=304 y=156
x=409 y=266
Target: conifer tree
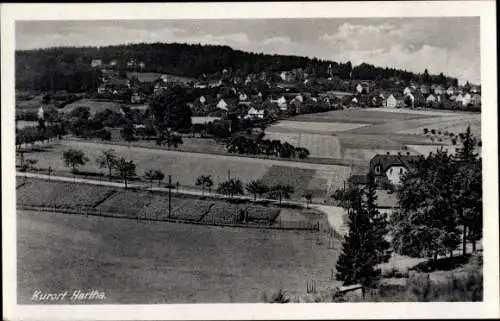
x=467 y=187
x=358 y=259
x=378 y=220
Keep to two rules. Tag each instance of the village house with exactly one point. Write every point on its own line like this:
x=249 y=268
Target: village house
x=255 y=113
x=451 y=90
x=243 y=97
x=287 y=76
x=391 y=168
x=214 y=83
x=439 y=90
x=476 y=99
x=142 y=65
x=424 y=89
x=96 y=63
x=466 y=99
x=391 y=101
x=459 y=98
x=131 y=63
x=113 y=63
x=475 y=89
x=363 y=88
x=136 y=98
x=408 y=91
x=431 y=99
x=222 y=105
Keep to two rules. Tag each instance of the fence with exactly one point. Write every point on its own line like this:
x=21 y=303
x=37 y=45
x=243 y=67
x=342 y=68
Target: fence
x=89 y=211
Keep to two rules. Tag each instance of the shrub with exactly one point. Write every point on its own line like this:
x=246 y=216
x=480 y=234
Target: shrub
x=433 y=131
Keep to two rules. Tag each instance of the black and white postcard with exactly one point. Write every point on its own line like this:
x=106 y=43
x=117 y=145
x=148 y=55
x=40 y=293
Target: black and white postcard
x=238 y=161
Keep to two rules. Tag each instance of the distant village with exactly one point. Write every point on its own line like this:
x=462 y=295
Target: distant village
x=283 y=93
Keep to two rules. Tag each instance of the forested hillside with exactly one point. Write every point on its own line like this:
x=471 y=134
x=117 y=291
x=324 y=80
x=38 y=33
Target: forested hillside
x=69 y=68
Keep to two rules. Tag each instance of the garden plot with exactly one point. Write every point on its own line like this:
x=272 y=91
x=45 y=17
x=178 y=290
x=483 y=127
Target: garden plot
x=182 y=208
x=61 y=194
x=126 y=201
x=318 y=145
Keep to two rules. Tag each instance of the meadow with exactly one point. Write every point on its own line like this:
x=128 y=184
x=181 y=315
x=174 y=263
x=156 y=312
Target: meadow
x=186 y=167
x=151 y=262
x=359 y=134
x=96 y=106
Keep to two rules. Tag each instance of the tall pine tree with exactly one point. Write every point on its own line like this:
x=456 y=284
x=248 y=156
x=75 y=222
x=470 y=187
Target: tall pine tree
x=358 y=259
x=467 y=186
x=378 y=220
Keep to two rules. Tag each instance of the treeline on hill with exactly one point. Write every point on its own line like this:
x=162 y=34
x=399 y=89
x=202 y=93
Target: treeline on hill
x=68 y=68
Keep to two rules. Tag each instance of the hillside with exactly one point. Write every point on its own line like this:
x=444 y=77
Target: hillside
x=69 y=68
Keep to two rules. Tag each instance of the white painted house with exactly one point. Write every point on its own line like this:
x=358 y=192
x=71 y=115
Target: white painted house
x=431 y=99
x=467 y=99
x=391 y=102
x=255 y=113
x=391 y=167
x=222 y=105
x=203 y=100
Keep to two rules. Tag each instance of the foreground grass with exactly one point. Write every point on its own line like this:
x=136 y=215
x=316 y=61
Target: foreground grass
x=146 y=263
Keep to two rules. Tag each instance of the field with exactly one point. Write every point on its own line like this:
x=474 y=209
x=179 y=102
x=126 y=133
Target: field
x=359 y=134
x=147 y=263
x=186 y=167
x=97 y=106
x=152 y=76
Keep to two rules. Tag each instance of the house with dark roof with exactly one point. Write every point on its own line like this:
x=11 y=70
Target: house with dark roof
x=390 y=167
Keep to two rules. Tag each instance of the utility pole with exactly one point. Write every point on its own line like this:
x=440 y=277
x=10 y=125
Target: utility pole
x=169 y=195
x=228 y=174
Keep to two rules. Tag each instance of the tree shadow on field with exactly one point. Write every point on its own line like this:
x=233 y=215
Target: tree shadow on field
x=443 y=264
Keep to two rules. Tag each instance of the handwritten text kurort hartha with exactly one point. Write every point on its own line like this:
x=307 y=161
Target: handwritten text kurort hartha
x=76 y=295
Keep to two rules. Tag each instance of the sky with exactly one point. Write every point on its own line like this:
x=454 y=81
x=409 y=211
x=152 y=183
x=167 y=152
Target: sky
x=448 y=45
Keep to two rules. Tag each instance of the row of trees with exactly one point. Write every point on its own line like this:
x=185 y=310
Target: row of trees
x=126 y=169
x=440 y=206
x=40 y=133
x=441 y=203
x=244 y=145
x=235 y=186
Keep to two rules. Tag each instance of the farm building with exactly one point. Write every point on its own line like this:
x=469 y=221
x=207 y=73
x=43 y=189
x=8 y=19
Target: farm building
x=391 y=167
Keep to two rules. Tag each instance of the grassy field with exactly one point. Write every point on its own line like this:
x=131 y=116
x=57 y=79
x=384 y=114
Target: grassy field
x=152 y=76
x=97 y=106
x=186 y=167
x=147 y=263
x=359 y=134
x=331 y=127
x=318 y=145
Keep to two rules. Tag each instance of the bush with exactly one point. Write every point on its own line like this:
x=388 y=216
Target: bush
x=103 y=134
